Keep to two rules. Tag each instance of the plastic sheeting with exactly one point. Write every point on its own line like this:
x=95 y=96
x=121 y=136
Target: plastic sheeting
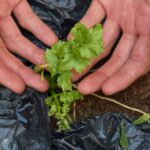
x=103 y=133
x=23 y=121
x=24 y=124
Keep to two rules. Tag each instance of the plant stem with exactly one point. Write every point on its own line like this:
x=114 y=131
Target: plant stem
x=42 y=75
x=118 y=103
x=74 y=111
x=57 y=104
x=44 y=66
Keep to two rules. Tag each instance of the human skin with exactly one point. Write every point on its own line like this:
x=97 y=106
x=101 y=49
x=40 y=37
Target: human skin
x=131 y=57
x=13 y=73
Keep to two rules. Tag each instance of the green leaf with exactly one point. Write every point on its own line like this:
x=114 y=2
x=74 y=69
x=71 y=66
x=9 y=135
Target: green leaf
x=48 y=101
x=61 y=59
x=96 y=43
x=144 y=118
x=64 y=81
x=52 y=61
x=52 y=82
x=58 y=49
x=63 y=124
x=53 y=110
x=68 y=97
x=80 y=33
x=73 y=61
x=76 y=95
x=93 y=46
x=123 y=138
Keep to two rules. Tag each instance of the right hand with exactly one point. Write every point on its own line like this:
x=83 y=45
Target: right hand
x=131 y=57
x=13 y=73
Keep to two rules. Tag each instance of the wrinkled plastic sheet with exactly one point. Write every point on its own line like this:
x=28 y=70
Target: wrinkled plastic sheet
x=103 y=133
x=24 y=124
x=23 y=121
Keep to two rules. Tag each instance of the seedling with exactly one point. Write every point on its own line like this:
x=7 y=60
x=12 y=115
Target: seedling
x=61 y=59
x=123 y=138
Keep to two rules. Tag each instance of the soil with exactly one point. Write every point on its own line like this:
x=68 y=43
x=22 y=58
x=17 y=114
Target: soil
x=137 y=95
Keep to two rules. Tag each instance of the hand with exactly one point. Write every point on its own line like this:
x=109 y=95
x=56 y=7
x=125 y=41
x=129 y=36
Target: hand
x=131 y=57
x=13 y=73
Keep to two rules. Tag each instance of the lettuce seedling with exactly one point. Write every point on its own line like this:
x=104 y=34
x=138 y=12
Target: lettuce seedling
x=62 y=58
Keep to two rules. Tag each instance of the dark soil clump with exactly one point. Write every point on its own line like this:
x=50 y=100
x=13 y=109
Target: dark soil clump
x=137 y=95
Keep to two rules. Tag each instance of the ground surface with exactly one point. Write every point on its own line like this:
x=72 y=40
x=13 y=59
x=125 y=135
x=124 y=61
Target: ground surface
x=137 y=95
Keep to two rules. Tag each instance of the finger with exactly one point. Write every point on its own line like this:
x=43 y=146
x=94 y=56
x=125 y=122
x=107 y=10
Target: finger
x=136 y=66
x=28 y=20
x=29 y=77
x=8 y=78
x=19 y=44
x=149 y=40
x=5 y=9
x=111 y=32
x=119 y=57
x=13 y=3
x=94 y=15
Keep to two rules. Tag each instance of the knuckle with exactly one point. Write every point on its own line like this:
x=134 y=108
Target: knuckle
x=18 y=37
x=13 y=40
x=24 y=70
x=5 y=10
x=39 y=56
x=14 y=3
x=128 y=74
x=103 y=73
x=13 y=82
x=136 y=58
x=18 y=66
x=118 y=59
x=143 y=61
x=26 y=22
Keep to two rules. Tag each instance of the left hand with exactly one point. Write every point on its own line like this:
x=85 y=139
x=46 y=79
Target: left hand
x=131 y=57
x=13 y=73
